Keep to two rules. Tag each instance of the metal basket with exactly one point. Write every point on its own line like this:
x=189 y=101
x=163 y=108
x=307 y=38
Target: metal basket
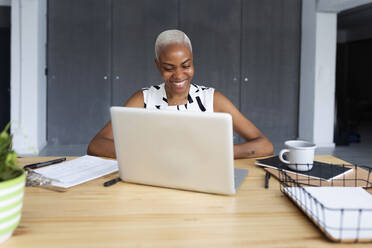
x=351 y=224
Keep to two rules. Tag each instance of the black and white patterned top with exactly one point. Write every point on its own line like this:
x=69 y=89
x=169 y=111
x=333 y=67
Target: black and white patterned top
x=200 y=99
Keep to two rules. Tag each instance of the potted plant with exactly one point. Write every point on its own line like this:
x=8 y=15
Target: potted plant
x=12 y=183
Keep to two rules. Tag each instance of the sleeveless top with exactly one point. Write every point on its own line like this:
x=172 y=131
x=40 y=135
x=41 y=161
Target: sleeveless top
x=200 y=99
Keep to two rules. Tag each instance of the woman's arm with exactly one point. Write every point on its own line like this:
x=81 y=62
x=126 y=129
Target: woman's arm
x=102 y=144
x=256 y=144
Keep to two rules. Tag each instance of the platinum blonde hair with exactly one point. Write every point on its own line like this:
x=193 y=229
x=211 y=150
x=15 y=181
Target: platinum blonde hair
x=170 y=37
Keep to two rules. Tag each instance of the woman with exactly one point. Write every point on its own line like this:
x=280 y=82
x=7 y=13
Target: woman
x=174 y=60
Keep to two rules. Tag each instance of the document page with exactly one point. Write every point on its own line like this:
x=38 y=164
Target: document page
x=79 y=170
x=346 y=213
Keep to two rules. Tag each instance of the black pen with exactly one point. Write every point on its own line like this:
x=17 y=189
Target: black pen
x=41 y=164
x=111 y=182
x=267 y=177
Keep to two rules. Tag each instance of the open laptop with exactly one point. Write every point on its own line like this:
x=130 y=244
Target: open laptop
x=183 y=150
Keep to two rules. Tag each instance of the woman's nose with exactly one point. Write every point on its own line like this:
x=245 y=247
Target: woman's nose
x=177 y=75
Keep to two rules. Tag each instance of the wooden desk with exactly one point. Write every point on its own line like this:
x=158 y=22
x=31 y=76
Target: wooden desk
x=129 y=215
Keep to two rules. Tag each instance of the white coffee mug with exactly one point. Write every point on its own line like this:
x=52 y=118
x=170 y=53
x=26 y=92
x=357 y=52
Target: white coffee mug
x=300 y=155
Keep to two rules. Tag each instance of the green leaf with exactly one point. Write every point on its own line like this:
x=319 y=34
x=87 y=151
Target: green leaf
x=8 y=158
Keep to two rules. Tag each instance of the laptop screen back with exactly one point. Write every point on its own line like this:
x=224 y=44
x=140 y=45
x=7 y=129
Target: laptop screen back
x=184 y=150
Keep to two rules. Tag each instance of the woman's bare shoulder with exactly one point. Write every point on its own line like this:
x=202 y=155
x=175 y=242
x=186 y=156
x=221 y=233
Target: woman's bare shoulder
x=221 y=103
x=136 y=100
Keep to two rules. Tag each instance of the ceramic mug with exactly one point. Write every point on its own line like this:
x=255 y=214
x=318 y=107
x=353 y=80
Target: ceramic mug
x=300 y=155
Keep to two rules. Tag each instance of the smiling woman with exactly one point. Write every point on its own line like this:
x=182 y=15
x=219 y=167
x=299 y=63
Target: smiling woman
x=175 y=64
x=176 y=67
x=174 y=60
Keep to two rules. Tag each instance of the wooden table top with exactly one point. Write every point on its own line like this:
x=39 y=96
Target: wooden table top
x=130 y=215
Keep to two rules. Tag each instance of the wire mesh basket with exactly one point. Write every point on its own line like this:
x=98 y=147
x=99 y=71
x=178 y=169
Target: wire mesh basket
x=342 y=219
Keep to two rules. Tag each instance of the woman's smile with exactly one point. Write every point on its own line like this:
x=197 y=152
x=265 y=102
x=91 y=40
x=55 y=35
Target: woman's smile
x=180 y=85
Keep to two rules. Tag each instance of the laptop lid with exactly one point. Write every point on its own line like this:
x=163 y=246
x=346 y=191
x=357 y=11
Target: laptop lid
x=183 y=150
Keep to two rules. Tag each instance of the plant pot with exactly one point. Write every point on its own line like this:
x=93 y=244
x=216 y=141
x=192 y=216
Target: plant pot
x=11 y=201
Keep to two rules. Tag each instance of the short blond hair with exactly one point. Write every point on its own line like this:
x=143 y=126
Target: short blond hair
x=170 y=37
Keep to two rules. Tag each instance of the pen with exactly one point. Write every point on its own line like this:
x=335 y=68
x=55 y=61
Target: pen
x=111 y=182
x=41 y=164
x=267 y=177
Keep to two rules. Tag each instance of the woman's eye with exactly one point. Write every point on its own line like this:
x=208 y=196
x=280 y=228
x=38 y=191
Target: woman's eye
x=186 y=66
x=168 y=69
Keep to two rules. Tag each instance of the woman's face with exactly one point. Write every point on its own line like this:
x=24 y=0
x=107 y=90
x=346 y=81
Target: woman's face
x=176 y=67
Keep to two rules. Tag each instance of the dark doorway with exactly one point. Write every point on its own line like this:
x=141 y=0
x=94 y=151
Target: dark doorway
x=354 y=76
x=4 y=66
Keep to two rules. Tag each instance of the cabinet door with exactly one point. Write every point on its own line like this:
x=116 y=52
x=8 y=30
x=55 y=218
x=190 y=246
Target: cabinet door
x=270 y=66
x=79 y=65
x=136 y=25
x=213 y=27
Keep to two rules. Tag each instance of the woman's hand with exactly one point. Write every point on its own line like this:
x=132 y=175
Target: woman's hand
x=256 y=145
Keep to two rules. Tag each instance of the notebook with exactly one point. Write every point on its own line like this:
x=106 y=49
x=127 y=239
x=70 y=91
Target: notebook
x=342 y=213
x=320 y=170
x=182 y=150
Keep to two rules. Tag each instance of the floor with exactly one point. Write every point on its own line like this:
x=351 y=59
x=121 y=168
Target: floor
x=355 y=153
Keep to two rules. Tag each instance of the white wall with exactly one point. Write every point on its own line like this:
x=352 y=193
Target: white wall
x=28 y=82
x=307 y=71
x=335 y=6
x=4 y=2
x=325 y=77
x=317 y=76
x=318 y=70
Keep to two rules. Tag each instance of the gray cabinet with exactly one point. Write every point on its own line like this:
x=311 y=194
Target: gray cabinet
x=214 y=29
x=270 y=66
x=78 y=57
x=136 y=25
x=101 y=52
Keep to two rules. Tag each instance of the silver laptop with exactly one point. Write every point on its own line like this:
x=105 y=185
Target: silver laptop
x=182 y=150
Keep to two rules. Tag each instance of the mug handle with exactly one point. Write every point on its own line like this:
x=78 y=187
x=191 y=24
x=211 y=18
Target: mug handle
x=281 y=156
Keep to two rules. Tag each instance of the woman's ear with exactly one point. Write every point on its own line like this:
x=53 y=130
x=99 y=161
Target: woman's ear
x=157 y=64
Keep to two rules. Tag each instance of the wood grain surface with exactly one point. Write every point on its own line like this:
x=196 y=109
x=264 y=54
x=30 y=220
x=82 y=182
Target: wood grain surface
x=130 y=215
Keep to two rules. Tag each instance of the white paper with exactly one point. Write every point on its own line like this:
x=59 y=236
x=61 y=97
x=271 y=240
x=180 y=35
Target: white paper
x=357 y=213
x=79 y=170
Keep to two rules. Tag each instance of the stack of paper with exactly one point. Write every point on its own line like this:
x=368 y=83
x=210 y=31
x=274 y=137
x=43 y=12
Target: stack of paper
x=346 y=213
x=77 y=171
